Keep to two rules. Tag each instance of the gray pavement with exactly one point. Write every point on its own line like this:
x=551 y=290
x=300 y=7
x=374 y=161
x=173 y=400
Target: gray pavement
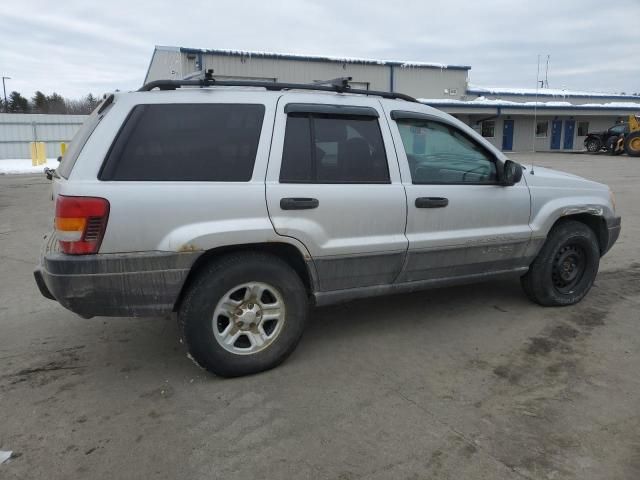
x=471 y=382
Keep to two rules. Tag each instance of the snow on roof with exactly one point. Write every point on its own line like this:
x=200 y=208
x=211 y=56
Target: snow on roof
x=316 y=58
x=546 y=92
x=488 y=102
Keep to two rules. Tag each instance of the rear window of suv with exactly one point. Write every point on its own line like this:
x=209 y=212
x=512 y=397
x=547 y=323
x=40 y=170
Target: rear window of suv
x=186 y=142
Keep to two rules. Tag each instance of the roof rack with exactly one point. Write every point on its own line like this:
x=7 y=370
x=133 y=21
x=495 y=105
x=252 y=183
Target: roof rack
x=340 y=85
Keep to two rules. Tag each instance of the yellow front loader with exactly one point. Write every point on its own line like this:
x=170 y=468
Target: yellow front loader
x=632 y=139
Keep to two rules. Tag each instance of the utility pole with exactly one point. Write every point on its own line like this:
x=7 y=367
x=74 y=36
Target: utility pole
x=4 y=90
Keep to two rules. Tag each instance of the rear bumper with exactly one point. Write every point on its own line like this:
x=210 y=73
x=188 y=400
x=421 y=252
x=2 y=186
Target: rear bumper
x=116 y=285
x=614 y=225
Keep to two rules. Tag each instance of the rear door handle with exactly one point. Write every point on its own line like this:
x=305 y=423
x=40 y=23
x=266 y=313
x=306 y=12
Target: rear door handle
x=298 y=203
x=431 y=202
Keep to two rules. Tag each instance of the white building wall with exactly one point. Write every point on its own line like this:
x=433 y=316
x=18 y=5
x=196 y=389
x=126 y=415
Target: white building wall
x=165 y=64
x=171 y=63
x=430 y=82
x=524 y=132
x=296 y=71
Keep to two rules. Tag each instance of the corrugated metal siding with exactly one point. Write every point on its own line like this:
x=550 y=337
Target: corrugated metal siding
x=419 y=82
x=377 y=76
x=18 y=130
x=430 y=82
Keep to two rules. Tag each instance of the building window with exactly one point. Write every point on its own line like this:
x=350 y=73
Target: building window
x=542 y=129
x=489 y=129
x=583 y=129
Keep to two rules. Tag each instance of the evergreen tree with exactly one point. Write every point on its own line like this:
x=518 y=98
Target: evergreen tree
x=17 y=103
x=40 y=103
x=92 y=102
x=56 y=103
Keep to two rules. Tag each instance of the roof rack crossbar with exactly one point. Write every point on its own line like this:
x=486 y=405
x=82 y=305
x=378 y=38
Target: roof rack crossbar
x=273 y=86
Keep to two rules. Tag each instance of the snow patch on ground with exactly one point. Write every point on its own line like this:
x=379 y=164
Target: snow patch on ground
x=13 y=166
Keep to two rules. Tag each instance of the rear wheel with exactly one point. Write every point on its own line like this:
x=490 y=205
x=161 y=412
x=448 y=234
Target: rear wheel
x=566 y=267
x=593 y=145
x=243 y=314
x=632 y=144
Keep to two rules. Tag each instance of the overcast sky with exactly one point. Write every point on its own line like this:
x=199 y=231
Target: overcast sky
x=77 y=47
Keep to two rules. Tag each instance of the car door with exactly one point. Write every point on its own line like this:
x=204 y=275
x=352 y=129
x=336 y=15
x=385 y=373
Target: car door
x=333 y=183
x=461 y=222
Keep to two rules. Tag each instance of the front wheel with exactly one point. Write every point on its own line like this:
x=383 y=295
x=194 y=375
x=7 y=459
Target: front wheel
x=566 y=267
x=593 y=145
x=243 y=314
x=632 y=144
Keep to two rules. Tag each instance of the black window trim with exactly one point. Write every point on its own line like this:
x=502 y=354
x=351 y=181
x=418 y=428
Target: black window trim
x=314 y=166
x=349 y=110
x=397 y=115
x=110 y=161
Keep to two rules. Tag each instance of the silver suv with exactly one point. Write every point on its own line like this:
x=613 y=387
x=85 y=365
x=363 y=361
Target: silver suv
x=240 y=204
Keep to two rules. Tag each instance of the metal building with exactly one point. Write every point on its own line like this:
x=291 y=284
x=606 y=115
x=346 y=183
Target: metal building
x=17 y=130
x=559 y=120
x=422 y=79
x=510 y=118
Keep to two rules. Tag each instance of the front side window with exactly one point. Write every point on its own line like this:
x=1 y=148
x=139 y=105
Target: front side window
x=187 y=142
x=325 y=148
x=542 y=129
x=489 y=129
x=583 y=129
x=440 y=153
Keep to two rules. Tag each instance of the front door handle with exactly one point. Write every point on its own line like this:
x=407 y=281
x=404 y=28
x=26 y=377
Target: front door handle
x=431 y=202
x=298 y=203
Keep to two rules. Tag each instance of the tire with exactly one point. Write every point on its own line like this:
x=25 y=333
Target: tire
x=593 y=145
x=632 y=144
x=566 y=267
x=254 y=284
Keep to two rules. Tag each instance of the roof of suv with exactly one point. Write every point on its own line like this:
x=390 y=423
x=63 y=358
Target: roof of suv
x=338 y=85
x=259 y=91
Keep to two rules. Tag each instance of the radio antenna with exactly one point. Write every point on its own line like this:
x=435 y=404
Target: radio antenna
x=535 y=117
x=546 y=73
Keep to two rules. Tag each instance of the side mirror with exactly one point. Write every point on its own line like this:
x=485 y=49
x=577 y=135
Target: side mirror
x=511 y=173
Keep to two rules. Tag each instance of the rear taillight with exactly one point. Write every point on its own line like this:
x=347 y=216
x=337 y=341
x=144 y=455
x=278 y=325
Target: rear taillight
x=81 y=223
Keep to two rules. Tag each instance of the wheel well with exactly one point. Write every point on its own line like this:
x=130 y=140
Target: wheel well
x=288 y=253
x=595 y=222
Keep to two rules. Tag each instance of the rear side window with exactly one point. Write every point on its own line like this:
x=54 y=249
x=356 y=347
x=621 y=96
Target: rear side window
x=186 y=142
x=325 y=148
x=82 y=135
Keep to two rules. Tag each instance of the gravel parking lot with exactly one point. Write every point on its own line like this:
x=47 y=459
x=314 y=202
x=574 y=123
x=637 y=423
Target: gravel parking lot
x=462 y=383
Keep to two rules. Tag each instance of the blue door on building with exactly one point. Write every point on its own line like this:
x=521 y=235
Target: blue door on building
x=569 y=128
x=556 y=134
x=507 y=135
